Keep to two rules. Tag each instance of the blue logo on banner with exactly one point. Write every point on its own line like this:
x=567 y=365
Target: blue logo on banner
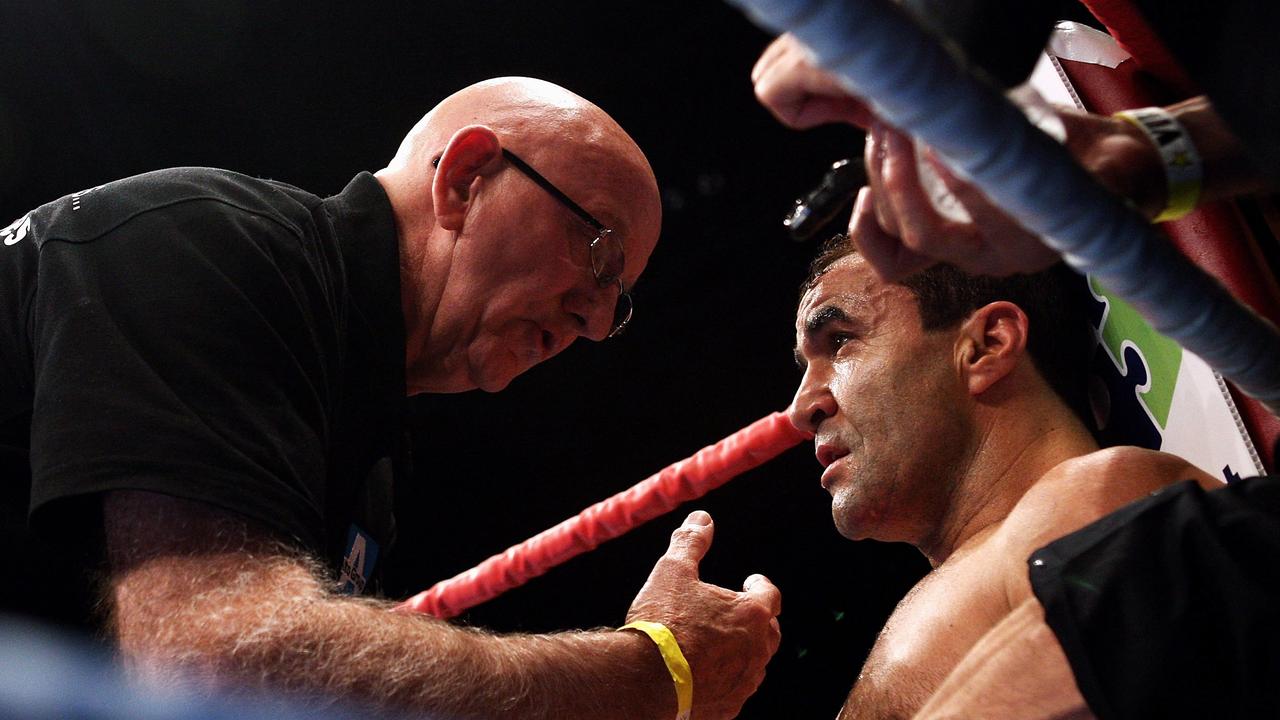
x=357 y=564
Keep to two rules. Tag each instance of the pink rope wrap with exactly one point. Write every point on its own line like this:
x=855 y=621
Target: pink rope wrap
x=688 y=479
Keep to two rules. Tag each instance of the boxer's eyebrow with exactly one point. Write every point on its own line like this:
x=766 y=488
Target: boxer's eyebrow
x=822 y=317
x=814 y=324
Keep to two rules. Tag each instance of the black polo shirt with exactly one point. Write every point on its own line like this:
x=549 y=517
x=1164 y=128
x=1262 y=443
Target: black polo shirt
x=211 y=336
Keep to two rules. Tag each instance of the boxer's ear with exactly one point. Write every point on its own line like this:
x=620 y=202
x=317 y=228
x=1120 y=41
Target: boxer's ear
x=990 y=344
x=471 y=154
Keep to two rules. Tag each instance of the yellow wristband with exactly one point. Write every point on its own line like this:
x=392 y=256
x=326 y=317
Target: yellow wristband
x=681 y=675
x=1183 y=168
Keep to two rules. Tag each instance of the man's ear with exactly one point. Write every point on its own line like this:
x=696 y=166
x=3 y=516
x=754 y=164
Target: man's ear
x=991 y=343
x=472 y=152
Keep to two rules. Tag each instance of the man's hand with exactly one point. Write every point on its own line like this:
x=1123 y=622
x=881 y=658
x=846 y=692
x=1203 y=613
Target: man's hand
x=726 y=636
x=798 y=93
x=900 y=232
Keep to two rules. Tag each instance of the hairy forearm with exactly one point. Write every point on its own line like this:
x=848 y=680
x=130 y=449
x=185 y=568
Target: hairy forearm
x=293 y=636
x=201 y=598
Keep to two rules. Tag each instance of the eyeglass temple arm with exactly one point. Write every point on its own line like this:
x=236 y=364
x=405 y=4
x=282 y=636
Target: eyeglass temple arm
x=545 y=184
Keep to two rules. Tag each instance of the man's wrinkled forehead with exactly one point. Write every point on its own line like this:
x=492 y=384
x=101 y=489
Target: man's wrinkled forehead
x=848 y=286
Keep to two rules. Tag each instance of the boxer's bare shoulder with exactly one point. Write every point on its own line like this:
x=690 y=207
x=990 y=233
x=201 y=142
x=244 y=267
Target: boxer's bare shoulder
x=1078 y=492
x=948 y=611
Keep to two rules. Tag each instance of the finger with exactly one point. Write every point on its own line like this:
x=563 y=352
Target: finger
x=777 y=78
x=899 y=190
x=980 y=207
x=885 y=253
x=921 y=227
x=918 y=220
x=768 y=59
x=874 y=158
x=776 y=49
x=823 y=109
x=786 y=103
x=764 y=592
x=858 y=112
x=1084 y=129
x=802 y=97
x=782 y=93
x=691 y=540
x=1004 y=246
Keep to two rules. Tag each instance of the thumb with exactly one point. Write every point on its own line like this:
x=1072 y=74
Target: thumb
x=888 y=257
x=690 y=541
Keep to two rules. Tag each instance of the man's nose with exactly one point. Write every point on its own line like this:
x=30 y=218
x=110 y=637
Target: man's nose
x=592 y=311
x=813 y=402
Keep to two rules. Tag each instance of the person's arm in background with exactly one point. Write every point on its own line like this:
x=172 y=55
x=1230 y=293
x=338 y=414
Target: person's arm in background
x=908 y=233
x=790 y=85
x=199 y=595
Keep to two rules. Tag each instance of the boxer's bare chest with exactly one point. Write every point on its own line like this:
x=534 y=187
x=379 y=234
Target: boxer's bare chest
x=930 y=631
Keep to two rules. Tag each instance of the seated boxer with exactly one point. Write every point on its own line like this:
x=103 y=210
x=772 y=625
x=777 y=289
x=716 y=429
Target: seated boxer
x=948 y=413
x=1208 y=654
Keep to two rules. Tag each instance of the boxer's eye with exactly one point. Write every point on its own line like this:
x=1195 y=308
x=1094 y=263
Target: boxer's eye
x=836 y=340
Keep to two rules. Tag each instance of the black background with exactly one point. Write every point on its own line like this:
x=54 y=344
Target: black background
x=311 y=93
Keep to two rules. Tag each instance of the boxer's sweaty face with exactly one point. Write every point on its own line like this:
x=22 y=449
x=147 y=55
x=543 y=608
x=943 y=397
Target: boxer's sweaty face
x=877 y=392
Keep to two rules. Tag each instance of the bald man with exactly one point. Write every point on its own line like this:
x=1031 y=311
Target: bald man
x=210 y=370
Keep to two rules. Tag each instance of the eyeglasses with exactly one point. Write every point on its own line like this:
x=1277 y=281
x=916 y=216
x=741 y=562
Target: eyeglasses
x=607 y=257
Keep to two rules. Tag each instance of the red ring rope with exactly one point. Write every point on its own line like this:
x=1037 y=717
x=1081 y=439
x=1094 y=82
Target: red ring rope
x=688 y=479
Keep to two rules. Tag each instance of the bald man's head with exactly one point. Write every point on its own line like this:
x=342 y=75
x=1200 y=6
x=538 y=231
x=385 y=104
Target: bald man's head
x=516 y=107
x=493 y=265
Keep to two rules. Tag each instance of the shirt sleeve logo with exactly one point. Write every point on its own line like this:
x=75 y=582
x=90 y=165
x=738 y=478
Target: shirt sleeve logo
x=357 y=565
x=76 y=197
x=13 y=234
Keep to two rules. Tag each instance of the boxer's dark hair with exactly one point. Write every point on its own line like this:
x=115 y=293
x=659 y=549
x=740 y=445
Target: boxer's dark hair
x=1057 y=302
